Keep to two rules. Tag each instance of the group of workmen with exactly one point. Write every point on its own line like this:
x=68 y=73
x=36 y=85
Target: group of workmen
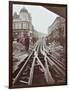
x=24 y=41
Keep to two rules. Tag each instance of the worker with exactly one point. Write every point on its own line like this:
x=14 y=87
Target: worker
x=26 y=42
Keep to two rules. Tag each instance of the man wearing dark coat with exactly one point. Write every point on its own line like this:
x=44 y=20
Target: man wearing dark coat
x=26 y=43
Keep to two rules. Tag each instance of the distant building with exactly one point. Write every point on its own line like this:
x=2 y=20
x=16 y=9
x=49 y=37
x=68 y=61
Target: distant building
x=56 y=32
x=22 y=24
x=58 y=23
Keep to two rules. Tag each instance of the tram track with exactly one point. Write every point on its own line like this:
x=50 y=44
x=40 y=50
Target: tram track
x=41 y=59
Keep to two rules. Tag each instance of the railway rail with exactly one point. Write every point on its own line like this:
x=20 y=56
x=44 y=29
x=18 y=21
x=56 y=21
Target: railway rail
x=39 y=68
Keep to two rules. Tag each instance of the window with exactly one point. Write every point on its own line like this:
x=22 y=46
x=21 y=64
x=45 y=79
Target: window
x=25 y=25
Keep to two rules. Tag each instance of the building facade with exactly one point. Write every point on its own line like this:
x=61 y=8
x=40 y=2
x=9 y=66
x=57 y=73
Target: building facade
x=58 y=23
x=22 y=24
x=56 y=32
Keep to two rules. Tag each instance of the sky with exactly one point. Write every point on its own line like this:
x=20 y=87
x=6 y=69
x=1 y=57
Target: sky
x=42 y=18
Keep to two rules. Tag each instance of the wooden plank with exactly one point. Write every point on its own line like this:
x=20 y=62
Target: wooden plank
x=32 y=68
x=50 y=79
x=15 y=79
x=21 y=70
x=23 y=81
x=21 y=60
x=59 y=69
x=46 y=76
x=31 y=73
x=56 y=61
x=47 y=73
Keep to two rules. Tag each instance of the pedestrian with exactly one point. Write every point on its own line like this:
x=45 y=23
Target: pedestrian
x=26 y=41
